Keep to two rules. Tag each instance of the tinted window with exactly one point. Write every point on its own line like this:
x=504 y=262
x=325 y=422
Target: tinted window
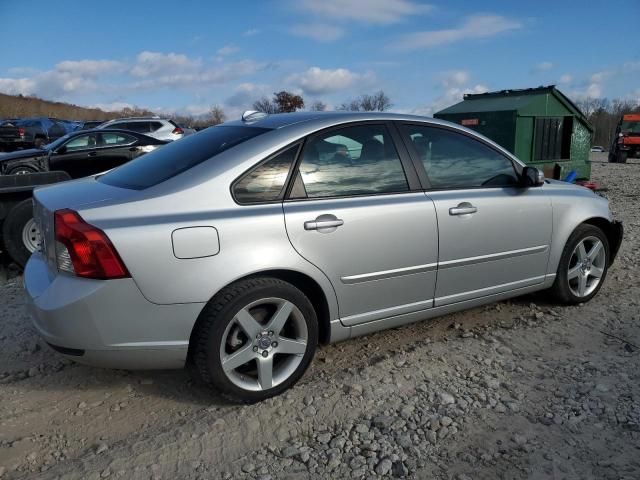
x=177 y=157
x=113 y=139
x=454 y=160
x=351 y=161
x=81 y=142
x=155 y=126
x=266 y=182
x=140 y=127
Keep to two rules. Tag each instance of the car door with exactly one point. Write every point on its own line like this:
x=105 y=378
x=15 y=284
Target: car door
x=494 y=234
x=356 y=212
x=75 y=156
x=114 y=150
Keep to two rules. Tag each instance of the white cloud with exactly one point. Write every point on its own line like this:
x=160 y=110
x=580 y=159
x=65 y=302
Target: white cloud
x=380 y=12
x=112 y=106
x=227 y=50
x=565 y=78
x=246 y=93
x=320 y=32
x=454 y=85
x=251 y=32
x=542 y=67
x=475 y=26
x=316 y=80
x=91 y=68
x=154 y=63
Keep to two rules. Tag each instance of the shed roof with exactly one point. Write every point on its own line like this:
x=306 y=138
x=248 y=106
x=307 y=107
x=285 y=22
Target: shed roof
x=512 y=100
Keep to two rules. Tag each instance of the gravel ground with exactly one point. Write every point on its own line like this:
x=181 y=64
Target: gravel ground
x=518 y=389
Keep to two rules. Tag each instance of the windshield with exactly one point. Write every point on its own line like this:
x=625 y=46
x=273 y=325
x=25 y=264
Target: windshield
x=57 y=143
x=629 y=126
x=177 y=157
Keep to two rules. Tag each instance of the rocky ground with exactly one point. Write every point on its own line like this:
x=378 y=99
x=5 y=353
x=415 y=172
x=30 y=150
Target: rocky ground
x=518 y=389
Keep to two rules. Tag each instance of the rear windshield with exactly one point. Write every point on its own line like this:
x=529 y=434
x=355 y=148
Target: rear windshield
x=179 y=156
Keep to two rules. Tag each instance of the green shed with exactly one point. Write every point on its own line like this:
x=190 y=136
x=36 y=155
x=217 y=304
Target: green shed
x=541 y=126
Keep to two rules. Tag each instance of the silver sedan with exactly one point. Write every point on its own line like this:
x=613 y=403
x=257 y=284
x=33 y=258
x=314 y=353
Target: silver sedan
x=241 y=248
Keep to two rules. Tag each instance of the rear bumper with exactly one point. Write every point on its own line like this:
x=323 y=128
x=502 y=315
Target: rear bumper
x=106 y=323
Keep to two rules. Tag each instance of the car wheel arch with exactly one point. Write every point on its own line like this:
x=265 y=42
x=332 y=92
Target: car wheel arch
x=612 y=231
x=305 y=283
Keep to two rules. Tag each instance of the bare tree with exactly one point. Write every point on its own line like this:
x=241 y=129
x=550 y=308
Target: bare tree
x=318 y=106
x=379 y=101
x=265 y=105
x=216 y=115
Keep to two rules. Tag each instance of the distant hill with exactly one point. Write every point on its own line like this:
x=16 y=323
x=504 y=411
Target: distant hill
x=16 y=106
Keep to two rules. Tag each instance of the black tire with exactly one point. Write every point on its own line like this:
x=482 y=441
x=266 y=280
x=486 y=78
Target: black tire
x=22 y=170
x=621 y=157
x=611 y=157
x=12 y=229
x=561 y=289
x=220 y=312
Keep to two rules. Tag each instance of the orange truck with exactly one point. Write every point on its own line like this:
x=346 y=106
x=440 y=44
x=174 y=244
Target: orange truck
x=626 y=141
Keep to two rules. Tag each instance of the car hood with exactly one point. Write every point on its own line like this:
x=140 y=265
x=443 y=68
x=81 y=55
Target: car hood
x=19 y=154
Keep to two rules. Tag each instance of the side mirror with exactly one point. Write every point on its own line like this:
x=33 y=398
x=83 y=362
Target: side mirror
x=62 y=150
x=532 y=177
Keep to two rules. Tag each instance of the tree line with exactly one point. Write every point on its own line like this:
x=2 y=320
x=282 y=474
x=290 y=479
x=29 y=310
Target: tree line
x=19 y=106
x=604 y=115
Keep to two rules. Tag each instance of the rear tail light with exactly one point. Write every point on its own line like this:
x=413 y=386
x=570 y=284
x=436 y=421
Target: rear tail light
x=178 y=131
x=85 y=250
x=21 y=131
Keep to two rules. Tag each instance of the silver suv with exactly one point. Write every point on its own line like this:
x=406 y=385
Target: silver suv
x=244 y=246
x=156 y=127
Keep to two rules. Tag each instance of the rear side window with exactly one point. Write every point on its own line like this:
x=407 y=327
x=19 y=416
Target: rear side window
x=113 y=139
x=266 y=182
x=155 y=126
x=177 y=157
x=140 y=127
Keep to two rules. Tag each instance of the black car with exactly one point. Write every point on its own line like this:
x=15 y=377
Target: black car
x=80 y=153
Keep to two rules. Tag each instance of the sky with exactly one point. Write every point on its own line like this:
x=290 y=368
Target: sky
x=183 y=56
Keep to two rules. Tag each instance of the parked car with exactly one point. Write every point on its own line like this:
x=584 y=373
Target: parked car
x=242 y=247
x=11 y=136
x=156 y=127
x=73 y=156
x=82 y=153
x=598 y=149
x=35 y=132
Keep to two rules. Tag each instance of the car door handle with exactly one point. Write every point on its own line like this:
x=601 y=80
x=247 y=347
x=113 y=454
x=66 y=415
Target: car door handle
x=320 y=223
x=92 y=154
x=464 y=208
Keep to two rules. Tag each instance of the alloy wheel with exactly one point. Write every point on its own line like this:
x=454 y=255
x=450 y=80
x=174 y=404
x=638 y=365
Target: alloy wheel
x=586 y=266
x=264 y=344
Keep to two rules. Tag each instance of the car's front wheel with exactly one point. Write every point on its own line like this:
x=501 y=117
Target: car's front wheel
x=583 y=265
x=255 y=339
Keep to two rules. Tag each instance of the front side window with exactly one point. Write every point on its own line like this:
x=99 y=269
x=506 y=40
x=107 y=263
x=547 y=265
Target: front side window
x=177 y=157
x=81 y=142
x=115 y=139
x=454 y=160
x=266 y=182
x=358 y=160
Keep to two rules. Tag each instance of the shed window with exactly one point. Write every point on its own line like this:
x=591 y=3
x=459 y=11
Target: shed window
x=553 y=138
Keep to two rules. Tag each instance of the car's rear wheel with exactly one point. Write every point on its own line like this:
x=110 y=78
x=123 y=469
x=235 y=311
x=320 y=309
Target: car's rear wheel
x=583 y=265
x=21 y=171
x=255 y=339
x=621 y=157
x=20 y=233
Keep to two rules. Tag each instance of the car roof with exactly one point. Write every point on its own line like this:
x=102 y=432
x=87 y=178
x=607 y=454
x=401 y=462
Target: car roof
x=281 y=120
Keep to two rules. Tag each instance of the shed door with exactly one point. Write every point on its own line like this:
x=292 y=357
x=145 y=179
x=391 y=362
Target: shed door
x=553 y=138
